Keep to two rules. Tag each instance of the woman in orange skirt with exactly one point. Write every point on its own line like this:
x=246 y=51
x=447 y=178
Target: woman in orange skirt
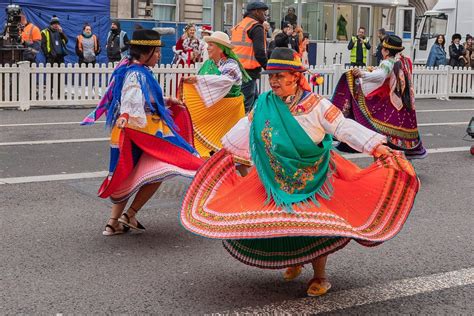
x=301 y=201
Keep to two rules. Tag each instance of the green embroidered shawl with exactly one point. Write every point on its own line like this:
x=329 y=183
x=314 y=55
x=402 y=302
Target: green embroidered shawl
x=290 y=165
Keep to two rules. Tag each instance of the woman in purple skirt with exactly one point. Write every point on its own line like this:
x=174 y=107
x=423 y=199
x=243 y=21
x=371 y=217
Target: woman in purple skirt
x=383 y=100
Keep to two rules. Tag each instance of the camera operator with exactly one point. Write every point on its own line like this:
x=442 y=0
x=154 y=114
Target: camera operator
x=53 y=42
x=31 y=39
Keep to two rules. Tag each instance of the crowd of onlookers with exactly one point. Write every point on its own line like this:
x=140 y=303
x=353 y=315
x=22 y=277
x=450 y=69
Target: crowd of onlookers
x=190 y=48
x=52 y=42
x=460 y=55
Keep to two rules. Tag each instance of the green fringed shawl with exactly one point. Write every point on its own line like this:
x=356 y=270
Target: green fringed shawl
x=291 y=166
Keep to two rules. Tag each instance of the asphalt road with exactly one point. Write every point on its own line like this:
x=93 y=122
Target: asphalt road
x=55 y=260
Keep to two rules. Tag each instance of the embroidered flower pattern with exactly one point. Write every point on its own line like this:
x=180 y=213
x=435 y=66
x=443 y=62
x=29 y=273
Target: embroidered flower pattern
x=288 y=183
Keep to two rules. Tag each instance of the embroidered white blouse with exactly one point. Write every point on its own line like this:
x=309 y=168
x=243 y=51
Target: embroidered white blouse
x=372 y=80
x=212 y=88
x=324 y=118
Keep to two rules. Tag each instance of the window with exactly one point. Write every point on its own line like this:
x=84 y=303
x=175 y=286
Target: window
x=344 y=22
x=438 y=25
x=206 y=11
x=164 y=10
x=318 y=20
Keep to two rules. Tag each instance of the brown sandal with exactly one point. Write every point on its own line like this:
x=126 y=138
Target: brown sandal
x=113 y=231
x=126 y=221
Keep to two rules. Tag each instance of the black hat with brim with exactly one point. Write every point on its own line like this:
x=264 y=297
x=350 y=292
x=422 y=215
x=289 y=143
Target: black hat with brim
x=393 y=42
x=146 y=37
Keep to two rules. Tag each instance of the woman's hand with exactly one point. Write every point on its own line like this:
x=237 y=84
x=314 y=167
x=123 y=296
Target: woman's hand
x=357 y=72
x=190 y=79
x=382 y=150
x=170 y=101
x=121 y=122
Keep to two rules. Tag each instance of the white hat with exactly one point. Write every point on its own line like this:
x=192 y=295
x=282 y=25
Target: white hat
x=220 y=38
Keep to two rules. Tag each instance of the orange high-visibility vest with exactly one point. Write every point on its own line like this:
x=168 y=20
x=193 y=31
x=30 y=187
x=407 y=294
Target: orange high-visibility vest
x=243 y=46
x=31 y=33
x=80 y=38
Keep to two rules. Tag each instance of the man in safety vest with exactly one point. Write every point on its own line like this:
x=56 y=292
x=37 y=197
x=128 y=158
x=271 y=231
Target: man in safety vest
x=117 y=43
x=31 y=39
x=359 y=45
x=249 y=40
x=53 y=42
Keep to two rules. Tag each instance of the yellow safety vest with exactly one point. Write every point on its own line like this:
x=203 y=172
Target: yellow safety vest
x=354 y=51
x=48 y=40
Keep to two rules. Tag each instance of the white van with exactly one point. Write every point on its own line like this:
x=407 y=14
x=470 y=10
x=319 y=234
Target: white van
x=447 y=17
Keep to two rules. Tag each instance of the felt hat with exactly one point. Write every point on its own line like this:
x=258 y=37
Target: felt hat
x=284 y=59
x=219 y=38
x=146 y=37
x=256 y=5
x=393 y=42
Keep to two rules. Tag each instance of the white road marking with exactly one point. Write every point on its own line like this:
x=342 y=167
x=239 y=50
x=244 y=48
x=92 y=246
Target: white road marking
x=443 y=124
x=44 y=124
x=367 y=295
x=444 y=110
x=430 y=151
x=54 y=177
x=100 y=174
x=56 y=141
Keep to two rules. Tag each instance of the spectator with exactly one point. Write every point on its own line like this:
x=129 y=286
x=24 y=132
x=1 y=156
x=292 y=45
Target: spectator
x=53 y=42
x=206 y=30
x=117 y=43
x=293 y=41
x=272 y=44
x=456 y=52
x=249 y=40
x=31 y=39
x=469 y=52
x=87 y=46
x=437 y=56
x=378 y=52
x=358 y=45
x=291 y=17
x=188 y=47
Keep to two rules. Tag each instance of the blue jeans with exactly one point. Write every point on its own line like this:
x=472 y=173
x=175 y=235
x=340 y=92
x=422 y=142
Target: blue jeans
x=250 y=92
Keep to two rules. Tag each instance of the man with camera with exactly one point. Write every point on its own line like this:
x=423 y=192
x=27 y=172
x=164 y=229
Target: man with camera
x=31 y=39
x=53 y=43
x=359 y=45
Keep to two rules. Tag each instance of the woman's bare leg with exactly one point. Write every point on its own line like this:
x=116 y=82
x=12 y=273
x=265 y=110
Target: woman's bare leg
x=243 y=170
x=143 y=195
x=115 y=213
x=319 y=267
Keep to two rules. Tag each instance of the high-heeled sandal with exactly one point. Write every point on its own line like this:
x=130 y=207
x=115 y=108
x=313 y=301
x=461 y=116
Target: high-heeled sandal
x=292 y=273
x=113 y=231
x=126 y=220
x=318 y=287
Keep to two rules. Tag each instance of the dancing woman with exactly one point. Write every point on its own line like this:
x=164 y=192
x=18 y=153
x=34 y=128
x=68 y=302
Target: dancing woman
x=150 y=139
x=383 y=99
x=213 y=97
x=301 y=201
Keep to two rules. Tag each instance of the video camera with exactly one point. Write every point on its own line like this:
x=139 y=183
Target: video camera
x=12 y=31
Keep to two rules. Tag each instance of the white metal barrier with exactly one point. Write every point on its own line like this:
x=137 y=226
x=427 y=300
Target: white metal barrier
x=26 y=86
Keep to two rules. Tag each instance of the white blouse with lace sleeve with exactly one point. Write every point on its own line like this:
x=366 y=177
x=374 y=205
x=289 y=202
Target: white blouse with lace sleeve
x=371 y=81
x=212 y=88
x=133 y=101
x=326 y=118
